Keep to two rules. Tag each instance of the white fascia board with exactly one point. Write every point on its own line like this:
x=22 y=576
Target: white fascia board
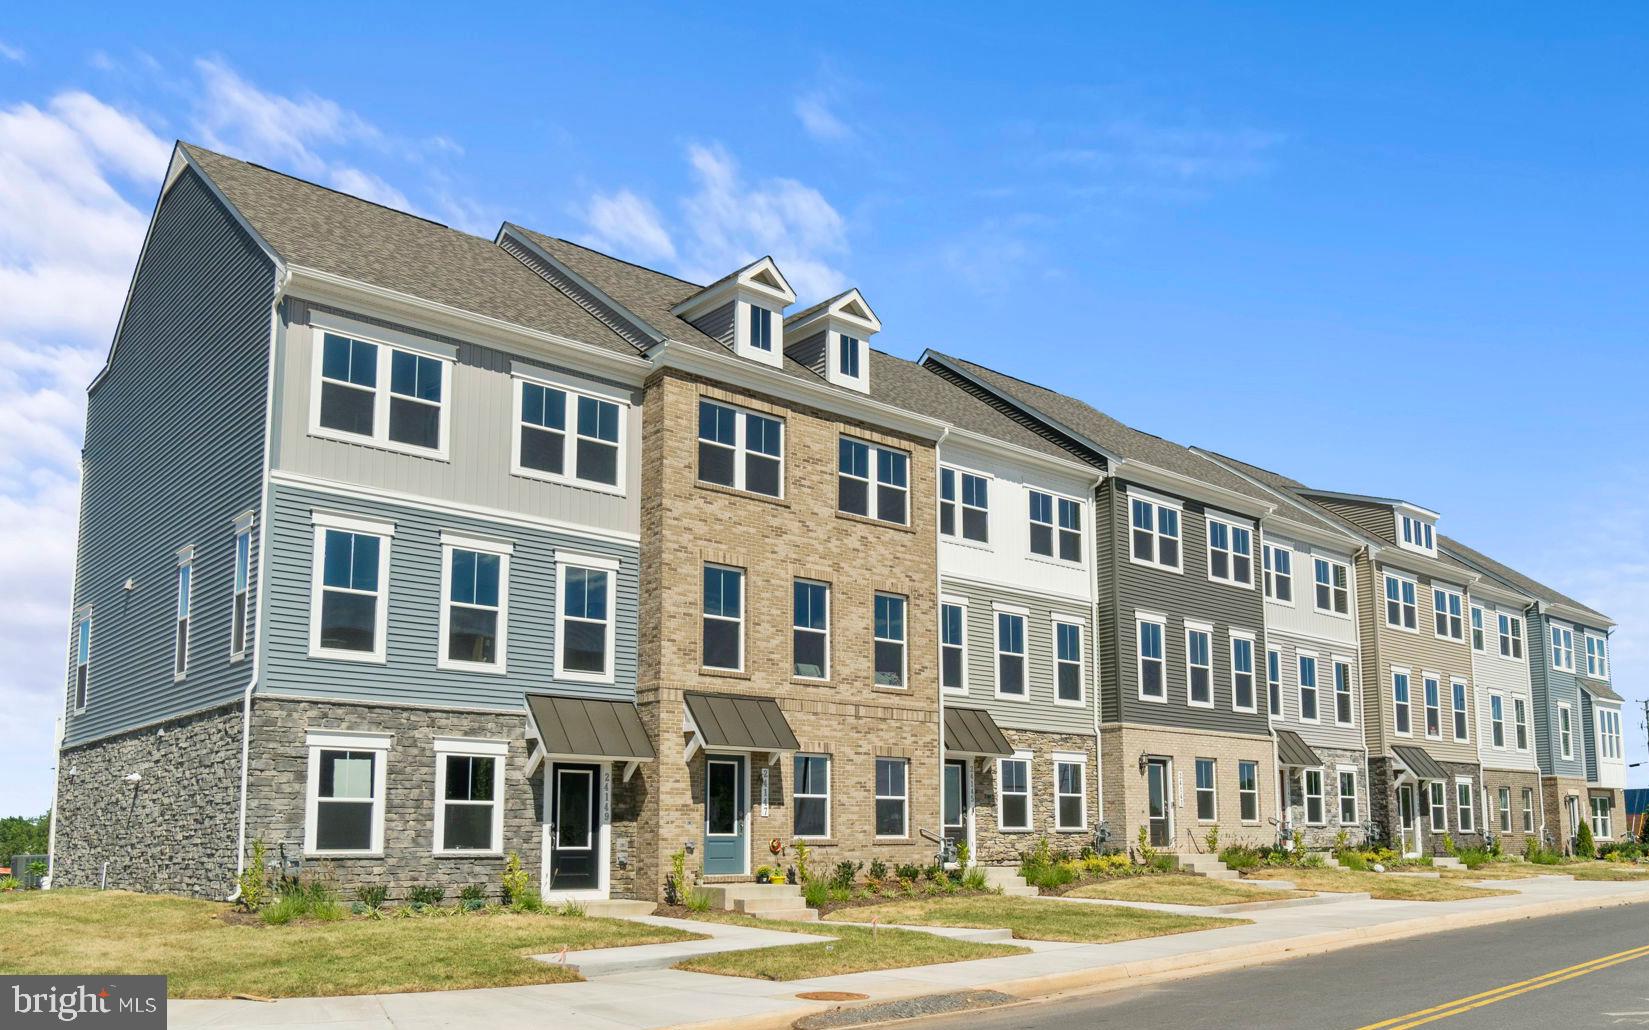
x=314 y=284
x=518 y=234
x=1185 y=486
x=1025 y=456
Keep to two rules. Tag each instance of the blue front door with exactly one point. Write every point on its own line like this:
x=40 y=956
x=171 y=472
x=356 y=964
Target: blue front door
x=725 y=842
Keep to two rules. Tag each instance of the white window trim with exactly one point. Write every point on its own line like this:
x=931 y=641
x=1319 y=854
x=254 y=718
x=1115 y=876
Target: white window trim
x=1500 y=723
x=1460 y=716
x=1161 y=622
x=1350 y=587
x=387 y=342
x=1520 y=637
x=243 y=527
x=1356 y=805
x=1477 y=624
x=1282 y=710
x=1385 y=618
x=1232 y=524
x=1465 y=814
x=1030 y=794
x=1214 y=790
x=873 y=488
x=1351 y=686
x=1158 y=502
x=185 y=560
x=1602 y=656
x=1271 y=573
x=1322 y=796
x=1082 y=528
x=451 y=542
x=962 y=603
x=904 y=647
x=904 y=798
x=794 y=629
x=1081 y=762
x=522 y=375
x=744 y=609
x=740 y=448
x=1561 y=631
x=1420 y=526
x=1434 y=788
x=79 y=704
x=322 y=521
x=1393 y=672
x=1081 y=625
x=459 y=747
x=1425 y=706
x=797 y=795
x=1448 y=592
x=1300 y=654
x=1256 y=792
x=1253 y=672
x=1526 y=809
x=1565 y=737
x=565 y=560
x=345 y=740
x=1024 y=617
x=1208 y=631
x=1520 y=721
x=990 y=492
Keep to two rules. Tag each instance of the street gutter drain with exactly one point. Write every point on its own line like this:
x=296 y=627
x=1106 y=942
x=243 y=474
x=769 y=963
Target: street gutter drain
x=905 y=1008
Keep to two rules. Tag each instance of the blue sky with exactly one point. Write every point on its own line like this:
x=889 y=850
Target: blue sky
x=1390 y=251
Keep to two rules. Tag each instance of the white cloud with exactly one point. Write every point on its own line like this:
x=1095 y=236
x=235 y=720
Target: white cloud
x=12 y=53
x=238 y=118
x=369 y=187
x=628 y=224
x=820 y=122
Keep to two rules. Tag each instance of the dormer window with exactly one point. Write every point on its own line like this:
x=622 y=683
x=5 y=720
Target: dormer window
x=832 y=338
x=761 y=328
x=1416 y=533
x=848 y=352
x=743 y=311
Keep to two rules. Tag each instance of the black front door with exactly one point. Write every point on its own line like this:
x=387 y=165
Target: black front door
x=956 y=801
x=575 y=836
x=1156 y=792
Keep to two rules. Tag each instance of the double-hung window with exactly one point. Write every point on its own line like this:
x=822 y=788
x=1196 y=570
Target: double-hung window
x=352 y=399
x=1497 y=720
x=1457 y=694
x=1199 y=666
x=1446 y=612
x=585 y=626
x=1400 y=604
x=1332 y=590
x=890 y=640
x=1417 y=533
x=740 y=449
x=1565 y=731
x=1505 y=808
x=1528 y=809
x=953 y=647
x=1248 y=791
x=1010 y=654
x=475 y=603
x=1465 y=809
x=469 y=791
x=1314 y=812
x=872 y=481
x=848 y=356
x=1603 y=812
x=1308 y=687
x=811 y=796
x=180 y=643
x=240 y=614
x=1156 y=533
x=1279 y=574
x=1067 y=662
x=1274 y=683
x=1207 y=810
x=1400 y=701
x=810 y=630
x=349 y=602
x=761 y=328
x=1511 y=636
x=723 y=618
x=1438 y=795
x=1563 y=648
x=1348 y=796
x=1609 y=743
x=971 y=494
x=1070 y=792
x=1344 y=710
x=892 y=797
x=1477 y=629
x=1153 y=683
x=1597 y=657
x=345 y=811
x=1434 y=708
x=1520 y=723
x=82 y=657
x=1242 y=673
x=1230 y=552
x=1014 y=790
x=1056 y=527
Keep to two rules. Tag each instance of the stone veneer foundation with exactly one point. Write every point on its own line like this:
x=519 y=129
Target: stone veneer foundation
x=1327 y=833
x=994 y=846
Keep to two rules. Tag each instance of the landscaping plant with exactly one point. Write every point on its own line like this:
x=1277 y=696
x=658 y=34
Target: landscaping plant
x=301 y=899
x=473 y=897
x=1585 y=843
x=372 y=896
x=254 y=880
x=515 y=881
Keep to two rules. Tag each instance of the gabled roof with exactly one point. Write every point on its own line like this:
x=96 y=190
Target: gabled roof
x=850 y=303
x=1516 y=580
x=1289 y=506
x=314 y=227
x=914 y=388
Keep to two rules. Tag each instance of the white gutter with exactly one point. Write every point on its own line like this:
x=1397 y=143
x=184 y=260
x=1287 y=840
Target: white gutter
x=1093 y=638
x=939 y=596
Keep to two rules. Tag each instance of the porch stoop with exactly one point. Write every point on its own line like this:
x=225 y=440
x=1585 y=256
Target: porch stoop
x=1008 y=879
x=1447 y=862
x=1206 y=865
x=762 y=900
x=618 y=908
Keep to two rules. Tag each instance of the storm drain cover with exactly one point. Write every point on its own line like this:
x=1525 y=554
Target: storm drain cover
x=904 y=1008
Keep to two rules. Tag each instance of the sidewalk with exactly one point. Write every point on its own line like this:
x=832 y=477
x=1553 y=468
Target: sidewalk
x=633 y=988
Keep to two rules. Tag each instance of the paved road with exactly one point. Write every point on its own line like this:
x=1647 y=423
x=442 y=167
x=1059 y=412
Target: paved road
x=1477 y=979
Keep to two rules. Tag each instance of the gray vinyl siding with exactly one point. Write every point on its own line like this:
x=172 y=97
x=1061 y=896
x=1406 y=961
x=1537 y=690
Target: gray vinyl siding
x=552 y=274
x=410 y=674
x=718 y=324
x=1588 y=735
x=1038 y=711
x=1551 y=688
x=812 y=351
x=1509 y=677
x=483 y=422
x=173 y=451
x=1325 y=732
x=1188 y=595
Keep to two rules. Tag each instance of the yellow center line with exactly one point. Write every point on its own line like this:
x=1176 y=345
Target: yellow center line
x=1507 y=991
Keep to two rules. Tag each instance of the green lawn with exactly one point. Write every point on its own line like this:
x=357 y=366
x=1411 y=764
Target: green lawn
x=1034 y=919
x=70 y=931
x=1603 y=871
x=1180 y=889
x=843 y=949
x=1381 y=886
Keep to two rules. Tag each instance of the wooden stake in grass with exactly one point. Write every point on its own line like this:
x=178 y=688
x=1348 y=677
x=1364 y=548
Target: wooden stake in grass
x=562 y=958
x=875 y=921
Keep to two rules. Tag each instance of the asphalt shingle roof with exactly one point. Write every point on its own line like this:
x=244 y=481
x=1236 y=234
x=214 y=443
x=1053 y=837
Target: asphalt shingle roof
x=1533 y=587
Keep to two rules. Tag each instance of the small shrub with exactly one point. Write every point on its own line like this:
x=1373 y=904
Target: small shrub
x=844 y=874
x=1448 y=845
x=1312 y=860
x=815 y=893
x=675 y=888
x=254 y=880
x=299 y=899
x=803 y=853
x=963 y=854
x=877 y=870
x=764 y=874
x=1342 y=842
x=1212 y=839
x=1474 y=858
x=571 y=909
x=514 y=879
x=907 y=871
x=529 y=900
x=426 y=895
x=1585 y=843
x=371 y=896
x=1240 y=857
x=9 y=883
x=472 y=898
x=974 y=880
x=1147 y=854
x=1354 y=860
x=697 y=899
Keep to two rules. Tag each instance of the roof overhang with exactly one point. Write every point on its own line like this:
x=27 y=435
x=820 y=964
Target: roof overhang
x=1419 y=762
x=972 y=733
x=934 y=357
x=1186 y=486
x=570 y=728
x=846 y=312
x=759 y=282
x=733 y=722
x=1570 y=613
x=1294 y=753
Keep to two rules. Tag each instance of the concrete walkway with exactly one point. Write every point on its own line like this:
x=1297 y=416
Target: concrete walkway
x=662 y=997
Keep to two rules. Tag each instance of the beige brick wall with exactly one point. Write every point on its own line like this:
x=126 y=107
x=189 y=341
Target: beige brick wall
x=1515 y=781
x=685 y=525
x=1126 y=800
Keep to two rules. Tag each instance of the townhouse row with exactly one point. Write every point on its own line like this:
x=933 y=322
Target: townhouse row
x=401 y=550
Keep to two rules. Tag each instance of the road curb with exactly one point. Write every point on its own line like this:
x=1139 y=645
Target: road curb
x=1133 y=974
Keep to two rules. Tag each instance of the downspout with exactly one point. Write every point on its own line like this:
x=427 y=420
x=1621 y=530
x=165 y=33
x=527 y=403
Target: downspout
x=1390 y=805
x=939 y=607
x=282 y=278
x=1528 y=657
x=1093 y=636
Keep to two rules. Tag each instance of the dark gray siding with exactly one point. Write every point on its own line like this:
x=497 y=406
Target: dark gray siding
x=718 y=324
x=1552 y=687
x=173 y=451
x=410 y=674
x=1588 y=735
x=1107 y=594
x=1187 y=596
x=811 y=351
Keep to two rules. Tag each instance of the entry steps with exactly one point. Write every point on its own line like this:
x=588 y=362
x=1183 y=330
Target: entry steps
x=1197 y=864
x=1008 y=879
x=763 y=900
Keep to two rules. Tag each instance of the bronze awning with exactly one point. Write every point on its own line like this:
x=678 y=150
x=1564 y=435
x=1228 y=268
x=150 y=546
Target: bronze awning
x=1293 y=751
x=586 y=727
x=1419 y=762
x=972 y=731
x=740 y=723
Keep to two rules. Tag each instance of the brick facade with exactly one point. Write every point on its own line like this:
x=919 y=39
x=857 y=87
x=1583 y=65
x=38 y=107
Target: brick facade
x=1326 y=832
x=1514 y=839
x=994 y=846
x=1121 y=749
